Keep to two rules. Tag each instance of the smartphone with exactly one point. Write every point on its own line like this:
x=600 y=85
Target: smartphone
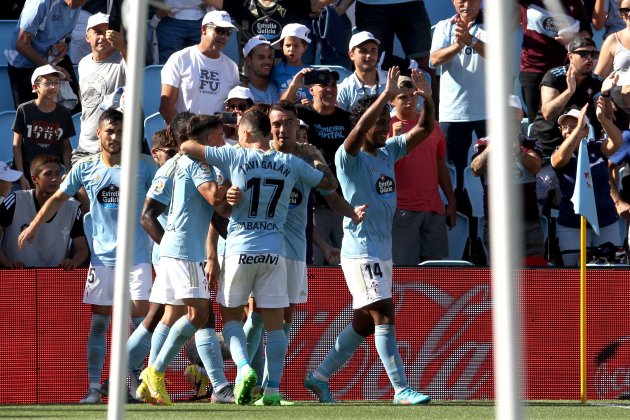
x=317 y=77
x=228 y=117
x=115 y=22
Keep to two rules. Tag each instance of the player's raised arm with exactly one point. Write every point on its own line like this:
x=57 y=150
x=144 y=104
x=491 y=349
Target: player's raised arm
x=423 y=129
x=193 y=149
x=44 y=214
x=355 y=140
x=329 y=181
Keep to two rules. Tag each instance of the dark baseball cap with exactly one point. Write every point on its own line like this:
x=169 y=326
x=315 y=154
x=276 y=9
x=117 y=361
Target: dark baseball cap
x=581 y=42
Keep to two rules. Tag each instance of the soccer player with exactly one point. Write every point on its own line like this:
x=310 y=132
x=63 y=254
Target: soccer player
x=182 y=251
x=365 y=167
x=100 y=176
x=254 y=259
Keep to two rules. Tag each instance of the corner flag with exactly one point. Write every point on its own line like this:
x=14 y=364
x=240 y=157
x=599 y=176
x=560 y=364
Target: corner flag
x=583 y=196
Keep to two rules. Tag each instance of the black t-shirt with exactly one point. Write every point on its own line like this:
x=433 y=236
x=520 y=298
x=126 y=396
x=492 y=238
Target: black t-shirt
x=547 y=132
x=327 y=133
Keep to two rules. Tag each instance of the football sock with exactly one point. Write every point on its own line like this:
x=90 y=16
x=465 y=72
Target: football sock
x=180 y=332
x=157 y=340
x=138 y=346
x=235 y=338
x=209 y=351
x=275 y=353
x=287 y=329
x=253 y=331
x=258 y=363
x=96 y=348
x=385 y=341
x=345 y=345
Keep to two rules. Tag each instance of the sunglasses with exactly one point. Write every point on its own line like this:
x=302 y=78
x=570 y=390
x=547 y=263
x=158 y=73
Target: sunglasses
x=49 y=84
x=240 y=107
x=168 y=152
x=586 y=54
x=624 y=11
x=222 y=31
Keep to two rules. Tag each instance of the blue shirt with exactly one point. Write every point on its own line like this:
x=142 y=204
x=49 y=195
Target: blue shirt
x=49 y=21
x=367 y=179
x=352 y=89
x=266 y=180
x=102 y=184
x=282 y=75
x=161 y=191
x=269 y=96
x=190 y=214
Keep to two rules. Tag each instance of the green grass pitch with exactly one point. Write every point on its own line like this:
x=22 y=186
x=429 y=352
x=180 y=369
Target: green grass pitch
x=555 y=410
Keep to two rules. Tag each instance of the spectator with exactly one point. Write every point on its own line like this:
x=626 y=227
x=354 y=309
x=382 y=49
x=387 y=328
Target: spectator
x=7 y=177
x=40 y=39
x=179 y=26
x=620 y=159
x=606 y=16
x=41 y=125
x=574 y=127
x=198 y=78
x=527 y=162
x=573 y=84
x=20 y=208
x=331 y=30
x=101 y=73
x=79 y=46
x=545 y=37
x=419 y=229
x=459 y=49
x=293 y=42
x=328 y=127
x=259 y=55
x=366 y=79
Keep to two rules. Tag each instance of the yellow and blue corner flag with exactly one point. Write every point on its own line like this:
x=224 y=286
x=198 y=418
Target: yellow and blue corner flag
x=583 y=197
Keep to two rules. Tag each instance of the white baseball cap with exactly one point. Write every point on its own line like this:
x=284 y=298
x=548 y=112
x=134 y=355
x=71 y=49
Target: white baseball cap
x=240 y=92
x=45 y=70
x=253 y=43
x=293 y=29
x=515 y=102
x=303 y=124
x=95 y=20
x=361 y=37
x=573 y=112
x=218 y=18
x=8 y=174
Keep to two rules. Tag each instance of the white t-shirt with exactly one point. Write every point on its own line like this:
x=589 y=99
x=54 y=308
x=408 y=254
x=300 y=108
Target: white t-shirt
x=187 y=9
x=463 y=83
x=203 y=82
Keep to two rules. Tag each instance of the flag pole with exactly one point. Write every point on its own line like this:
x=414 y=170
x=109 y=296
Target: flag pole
x=583 y=309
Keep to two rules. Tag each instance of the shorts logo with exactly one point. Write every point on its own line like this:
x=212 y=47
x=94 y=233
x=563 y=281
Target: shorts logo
x=258 y=259
x=385 y=185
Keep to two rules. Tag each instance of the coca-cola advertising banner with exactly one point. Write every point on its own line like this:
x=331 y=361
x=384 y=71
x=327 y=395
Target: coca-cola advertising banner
x=443 y=327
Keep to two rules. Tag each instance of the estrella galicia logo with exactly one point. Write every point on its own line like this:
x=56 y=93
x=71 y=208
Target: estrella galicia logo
x=551 y=24
x=108 y=196
x=385 y=185
x=268 y=28
x=296 y=198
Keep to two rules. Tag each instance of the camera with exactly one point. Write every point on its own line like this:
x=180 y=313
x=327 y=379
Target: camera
x=228 y=117
x=317 y=77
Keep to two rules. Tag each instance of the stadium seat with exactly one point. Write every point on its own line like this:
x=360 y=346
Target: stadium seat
x=343 y=72
x=152 y=124
x=530 y=130
x=458 y=238
x=74 y=140
x=6 y=128
x=6 y=34
x=474 y=189
x=151 y=89
x=524 y=126
x=6 y=99
x=452 y=172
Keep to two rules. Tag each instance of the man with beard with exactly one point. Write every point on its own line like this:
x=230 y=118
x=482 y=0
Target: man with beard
x=258 y=64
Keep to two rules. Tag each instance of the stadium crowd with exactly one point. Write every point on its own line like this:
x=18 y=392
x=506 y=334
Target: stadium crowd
x=269 y=163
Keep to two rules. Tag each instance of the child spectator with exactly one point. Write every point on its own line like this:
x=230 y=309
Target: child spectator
x=7 y=177
x=41 y=126
x=294 y=40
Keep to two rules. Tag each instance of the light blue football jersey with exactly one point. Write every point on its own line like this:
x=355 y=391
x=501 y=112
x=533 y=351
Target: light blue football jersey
x=190 y=214
x=161 y=191
x=367 y=179
x=102 y=184
x=266 y=178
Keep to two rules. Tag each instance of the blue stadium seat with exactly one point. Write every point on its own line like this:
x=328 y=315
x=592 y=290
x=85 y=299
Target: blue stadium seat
x=474 y=189
x=152 y=89
x=458 y=238
x=6 y=128
x=6 y=99
x=153 y=123
x=6 y=34
x=74 y=140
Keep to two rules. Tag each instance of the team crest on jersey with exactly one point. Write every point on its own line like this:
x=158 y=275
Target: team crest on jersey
x=158 y=187
x=296 y=198
x=204 y=166
x=220 y=179
x=385 y=185
x=108 y=196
